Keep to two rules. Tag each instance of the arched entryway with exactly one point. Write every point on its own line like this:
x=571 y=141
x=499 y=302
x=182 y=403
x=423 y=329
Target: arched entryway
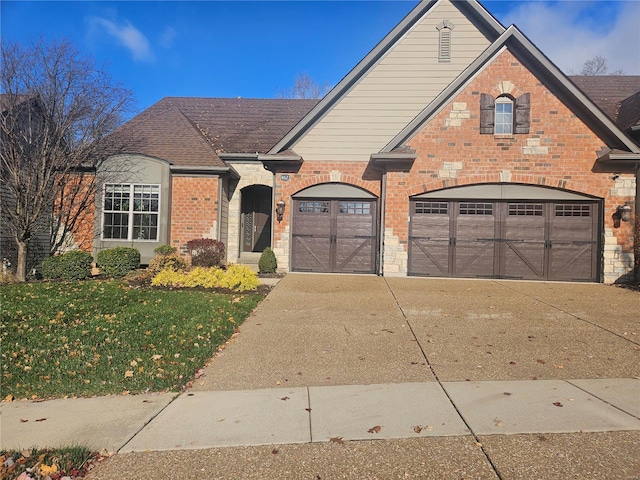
x=334 y=229
x=505 y=231
x=255 y=221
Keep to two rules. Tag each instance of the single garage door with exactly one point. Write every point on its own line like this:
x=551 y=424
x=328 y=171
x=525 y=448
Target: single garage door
x=535 y=239
x=334 y=235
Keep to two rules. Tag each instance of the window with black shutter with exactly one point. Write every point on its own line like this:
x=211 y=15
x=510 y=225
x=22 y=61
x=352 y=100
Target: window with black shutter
x=496 y=111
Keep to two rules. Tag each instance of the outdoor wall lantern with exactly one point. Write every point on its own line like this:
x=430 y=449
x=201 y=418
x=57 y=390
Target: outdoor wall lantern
x=623 y=213
x=280 y=210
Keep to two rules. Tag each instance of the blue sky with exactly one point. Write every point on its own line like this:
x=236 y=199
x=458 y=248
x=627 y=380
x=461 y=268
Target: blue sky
x=256 y=49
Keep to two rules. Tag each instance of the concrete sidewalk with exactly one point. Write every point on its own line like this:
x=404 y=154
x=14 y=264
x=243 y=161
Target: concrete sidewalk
x=197 y=420
x=481 y=370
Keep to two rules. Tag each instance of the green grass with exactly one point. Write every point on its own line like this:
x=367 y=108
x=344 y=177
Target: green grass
x=102 y=337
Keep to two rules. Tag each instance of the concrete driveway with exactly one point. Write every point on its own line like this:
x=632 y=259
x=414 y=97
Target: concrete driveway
x=315 y=330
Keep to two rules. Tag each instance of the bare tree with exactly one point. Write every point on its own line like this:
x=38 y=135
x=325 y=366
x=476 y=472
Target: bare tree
x=58 y=109
x=598 y=66
x=305 y=87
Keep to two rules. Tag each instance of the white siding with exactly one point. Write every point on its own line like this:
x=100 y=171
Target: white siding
x=394 y=91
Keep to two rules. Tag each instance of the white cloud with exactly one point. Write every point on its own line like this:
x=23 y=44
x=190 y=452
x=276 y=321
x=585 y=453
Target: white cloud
x=166 y=39
x=126 y=35
x=570 y=32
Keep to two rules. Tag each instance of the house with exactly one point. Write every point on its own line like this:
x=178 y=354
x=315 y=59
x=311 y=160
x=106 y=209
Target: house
x=455 y=148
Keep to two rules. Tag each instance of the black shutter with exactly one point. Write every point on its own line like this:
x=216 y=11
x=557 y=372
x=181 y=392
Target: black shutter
x=487 y=113
x=523 y=103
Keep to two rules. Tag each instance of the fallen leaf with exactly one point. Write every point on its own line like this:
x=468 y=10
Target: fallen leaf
x=308 y=409
x=558 y=404
x=507 y=393
x=284 y=398
x=497 y=422
x=275 y=451
x=512 y=363
x=40 y=419
x=9 y=398
x=338 y=440
x=542 y=362
x=128 y=374
x=22 y=420
x=375 y=429
x=26 y=453
x=417 y=428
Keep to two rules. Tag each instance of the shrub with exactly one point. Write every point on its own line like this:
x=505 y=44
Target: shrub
x=116 y=262
x=268 y=262
x=161 y=262
x=164 y=250
x=206 y=252
x=51 y=267
x=237 y=277
x=74 y=265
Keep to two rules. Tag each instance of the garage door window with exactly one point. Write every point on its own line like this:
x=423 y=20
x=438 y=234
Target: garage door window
x=525 y=209
x=476 y=209
x=434 y=208
x=573 y=210
x=313 y=207
x=355 y=208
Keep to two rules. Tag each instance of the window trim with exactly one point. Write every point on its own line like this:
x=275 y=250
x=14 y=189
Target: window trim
x=504 y=100
x=130 y=213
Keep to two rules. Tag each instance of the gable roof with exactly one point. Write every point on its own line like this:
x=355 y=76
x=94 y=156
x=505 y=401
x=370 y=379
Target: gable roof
x=546 y=71
x=187 y=131
x=471 y=8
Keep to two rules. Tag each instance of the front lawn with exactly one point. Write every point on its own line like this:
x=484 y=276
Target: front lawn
x=103 y=337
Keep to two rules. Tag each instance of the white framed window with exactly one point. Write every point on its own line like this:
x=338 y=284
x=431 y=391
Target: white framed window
x=130 y=212
x=504 y=116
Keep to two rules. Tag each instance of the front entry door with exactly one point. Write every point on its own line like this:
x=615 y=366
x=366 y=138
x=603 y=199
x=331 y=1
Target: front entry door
x=256 y=218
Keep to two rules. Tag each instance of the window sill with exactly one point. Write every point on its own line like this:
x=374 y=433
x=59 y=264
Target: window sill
x=503 y=136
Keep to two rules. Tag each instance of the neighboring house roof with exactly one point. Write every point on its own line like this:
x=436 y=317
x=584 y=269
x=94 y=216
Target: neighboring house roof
x=187 y=131
x=609 y=92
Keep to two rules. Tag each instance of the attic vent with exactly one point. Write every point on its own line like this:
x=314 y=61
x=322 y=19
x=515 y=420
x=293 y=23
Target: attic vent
x=444 y=45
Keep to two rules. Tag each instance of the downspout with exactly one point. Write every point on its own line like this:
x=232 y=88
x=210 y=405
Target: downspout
x=383 y=201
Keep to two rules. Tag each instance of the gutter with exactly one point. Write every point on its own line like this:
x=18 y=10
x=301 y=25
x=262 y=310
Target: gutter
x=203 y=171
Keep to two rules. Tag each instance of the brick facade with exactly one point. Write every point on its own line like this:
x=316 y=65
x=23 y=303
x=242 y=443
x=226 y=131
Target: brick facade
x=559 y=152
x=194 y=209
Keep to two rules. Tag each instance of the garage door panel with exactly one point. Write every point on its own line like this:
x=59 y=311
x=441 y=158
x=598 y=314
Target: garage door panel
x=429 y=239
x=429 y=257
x=474 y=258
x=542 y=240
x=524 y=241
x=311 y=254
x=354 y=255
x=332 y=235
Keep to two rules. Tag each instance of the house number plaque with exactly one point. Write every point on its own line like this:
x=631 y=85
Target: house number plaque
x=285 y=177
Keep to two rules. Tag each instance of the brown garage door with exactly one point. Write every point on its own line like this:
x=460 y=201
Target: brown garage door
x=334 y=235
x=502 y=239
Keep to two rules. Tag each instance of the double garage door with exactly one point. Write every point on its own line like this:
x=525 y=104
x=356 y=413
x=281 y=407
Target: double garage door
x=533 y=240
x=334 y=235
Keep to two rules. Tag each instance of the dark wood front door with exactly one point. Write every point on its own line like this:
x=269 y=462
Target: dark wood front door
x=502 y=239
x=330 y=235
x=256 y=218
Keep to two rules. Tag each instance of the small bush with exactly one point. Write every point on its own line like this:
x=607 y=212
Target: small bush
x=206 y=252
x=164 y=250
x=74 y=265
x=160 y=262
x=237 y=277
x=116 y=262
x=51 y=267
x=268 y=262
